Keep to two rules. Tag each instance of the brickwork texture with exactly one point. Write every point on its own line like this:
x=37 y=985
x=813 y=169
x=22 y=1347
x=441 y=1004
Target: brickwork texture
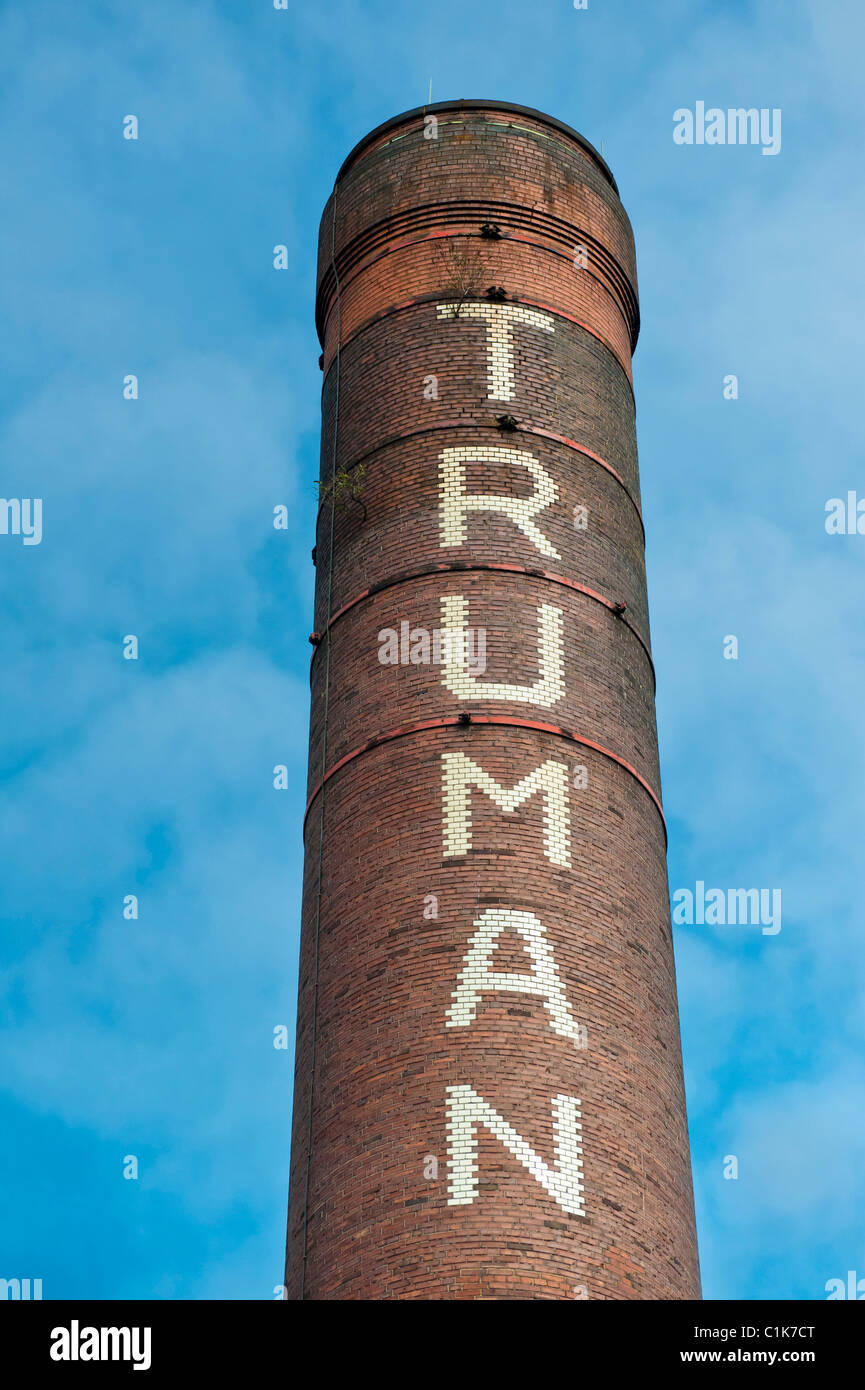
x=488 y=1085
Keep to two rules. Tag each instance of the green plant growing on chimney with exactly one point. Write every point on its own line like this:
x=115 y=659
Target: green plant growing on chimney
x=343 y=489
x=461 y=272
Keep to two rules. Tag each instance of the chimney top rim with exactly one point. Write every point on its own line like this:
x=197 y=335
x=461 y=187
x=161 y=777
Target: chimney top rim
x=476 y=104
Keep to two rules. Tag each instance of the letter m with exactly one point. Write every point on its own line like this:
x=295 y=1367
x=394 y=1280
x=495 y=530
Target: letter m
x=467 y=1110
x=743 y=906
x=115 y=1343
x=745 y=124
x=460 y=773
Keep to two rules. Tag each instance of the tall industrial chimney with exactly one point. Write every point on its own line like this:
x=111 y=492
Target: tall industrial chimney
x=488 y=1095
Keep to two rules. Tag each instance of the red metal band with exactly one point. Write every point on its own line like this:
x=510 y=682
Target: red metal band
x=454 y=721
x=521 y=429
x=472 y=567
x=511 y=299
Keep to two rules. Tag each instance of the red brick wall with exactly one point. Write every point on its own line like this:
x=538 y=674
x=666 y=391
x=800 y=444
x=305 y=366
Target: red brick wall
x=385 y=940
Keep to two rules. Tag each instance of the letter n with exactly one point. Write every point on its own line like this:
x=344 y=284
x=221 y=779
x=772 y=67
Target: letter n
x=467 y=1110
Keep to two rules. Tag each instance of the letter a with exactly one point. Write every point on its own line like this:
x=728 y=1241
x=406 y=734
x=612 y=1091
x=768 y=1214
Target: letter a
x=477 y=978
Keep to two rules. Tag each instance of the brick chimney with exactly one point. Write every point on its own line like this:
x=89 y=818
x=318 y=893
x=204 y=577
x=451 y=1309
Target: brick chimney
x=488 y=1092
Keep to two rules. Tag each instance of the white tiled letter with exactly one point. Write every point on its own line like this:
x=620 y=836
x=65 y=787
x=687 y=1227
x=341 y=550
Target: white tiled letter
x=455 y=501
x=547 y=689
x=459 y=773
x=499 y=319
x=476 y=978
x=467 y=1110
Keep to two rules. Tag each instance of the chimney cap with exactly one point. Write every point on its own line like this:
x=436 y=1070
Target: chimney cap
x=438 y=107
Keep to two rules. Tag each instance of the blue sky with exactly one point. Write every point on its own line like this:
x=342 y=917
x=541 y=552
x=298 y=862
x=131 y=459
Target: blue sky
x=154 y=1037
